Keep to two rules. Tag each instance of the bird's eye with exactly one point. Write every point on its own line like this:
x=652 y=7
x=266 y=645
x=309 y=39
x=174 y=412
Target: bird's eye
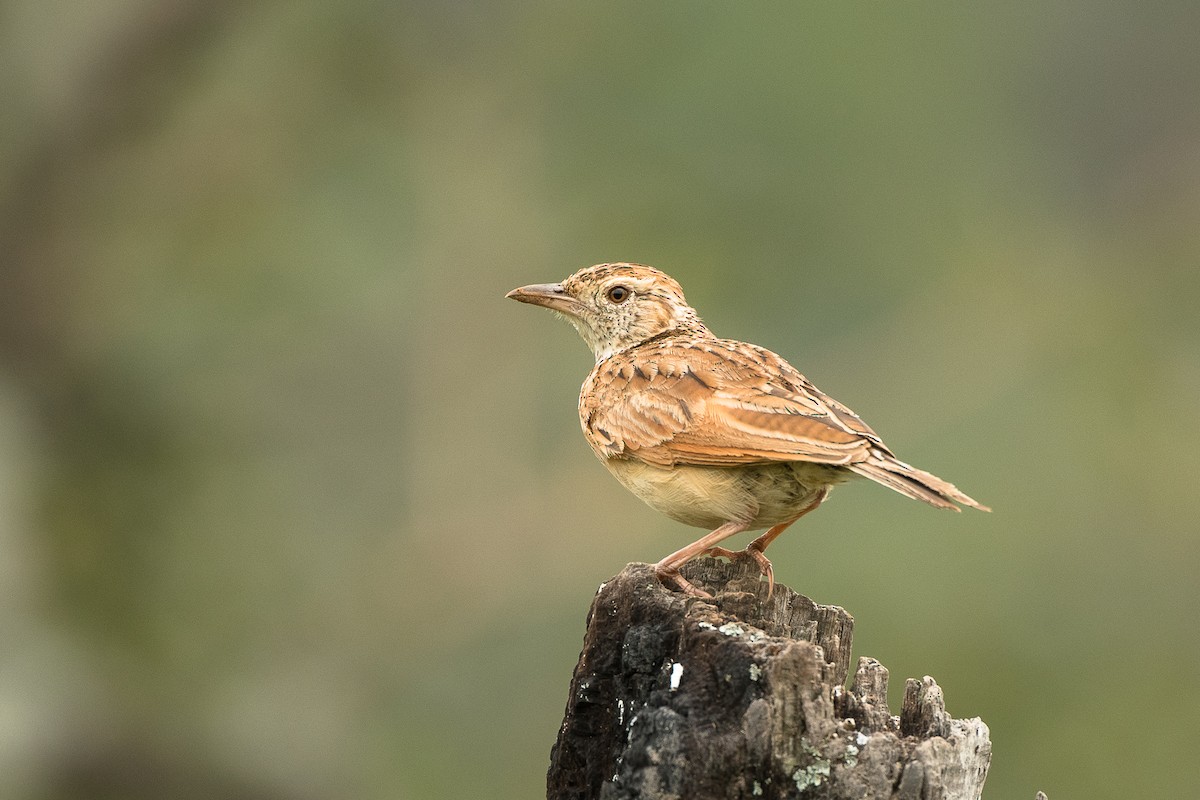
x=617 y=294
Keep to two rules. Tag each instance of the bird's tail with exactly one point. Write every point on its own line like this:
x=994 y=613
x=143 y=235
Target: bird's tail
x=883 y=467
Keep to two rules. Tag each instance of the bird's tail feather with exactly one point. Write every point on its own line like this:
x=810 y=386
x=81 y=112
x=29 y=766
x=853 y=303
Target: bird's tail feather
x=885 y=468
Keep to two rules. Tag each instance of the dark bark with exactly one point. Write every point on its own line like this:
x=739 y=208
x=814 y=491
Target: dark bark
x=744 y=697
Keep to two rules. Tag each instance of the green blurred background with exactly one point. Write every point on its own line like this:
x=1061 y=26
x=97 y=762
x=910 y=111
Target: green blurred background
x=293 y=504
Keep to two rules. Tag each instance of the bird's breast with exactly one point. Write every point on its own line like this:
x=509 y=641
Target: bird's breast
x=706 y=497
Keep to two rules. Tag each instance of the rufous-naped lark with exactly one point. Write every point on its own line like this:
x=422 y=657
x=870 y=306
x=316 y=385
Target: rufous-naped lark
x=715 y=433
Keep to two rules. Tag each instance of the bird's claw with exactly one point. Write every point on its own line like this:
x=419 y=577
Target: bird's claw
x=764 y=566
x=721 y=552
x=760 y=558
x=669 y=576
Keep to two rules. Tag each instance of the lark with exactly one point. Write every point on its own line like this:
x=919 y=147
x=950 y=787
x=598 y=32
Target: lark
x=714 y=433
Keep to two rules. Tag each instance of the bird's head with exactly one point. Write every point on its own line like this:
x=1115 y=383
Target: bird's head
x=616 y=306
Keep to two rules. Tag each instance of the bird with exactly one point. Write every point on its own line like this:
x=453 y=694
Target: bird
x=715 y=433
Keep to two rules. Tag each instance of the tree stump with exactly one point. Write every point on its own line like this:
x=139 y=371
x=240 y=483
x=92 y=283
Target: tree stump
x=678 y=698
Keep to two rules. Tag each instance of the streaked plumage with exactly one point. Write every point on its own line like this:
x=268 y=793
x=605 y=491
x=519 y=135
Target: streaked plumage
x=714 y=433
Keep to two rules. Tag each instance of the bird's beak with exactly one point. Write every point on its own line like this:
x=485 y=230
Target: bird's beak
x=547 y=295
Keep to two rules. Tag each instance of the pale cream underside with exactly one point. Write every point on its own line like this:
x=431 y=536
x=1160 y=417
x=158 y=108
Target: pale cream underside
x=707 y=497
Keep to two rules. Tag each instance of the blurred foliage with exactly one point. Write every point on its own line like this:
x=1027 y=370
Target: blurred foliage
x=294 y=504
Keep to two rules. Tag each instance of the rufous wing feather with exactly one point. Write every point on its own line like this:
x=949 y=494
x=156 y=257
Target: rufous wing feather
x=719 y=403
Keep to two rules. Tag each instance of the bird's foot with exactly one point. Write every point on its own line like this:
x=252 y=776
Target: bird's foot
x=721 y=552
x=670 y=577
x=751 y=551
x=764 y=565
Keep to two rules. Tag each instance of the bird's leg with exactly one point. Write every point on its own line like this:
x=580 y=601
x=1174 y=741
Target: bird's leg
x=755 y=549
x=667 y=570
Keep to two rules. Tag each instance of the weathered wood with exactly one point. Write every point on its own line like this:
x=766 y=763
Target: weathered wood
x=676 y=698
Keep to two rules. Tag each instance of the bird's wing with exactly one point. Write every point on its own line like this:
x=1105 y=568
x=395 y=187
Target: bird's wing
x=716 y=403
